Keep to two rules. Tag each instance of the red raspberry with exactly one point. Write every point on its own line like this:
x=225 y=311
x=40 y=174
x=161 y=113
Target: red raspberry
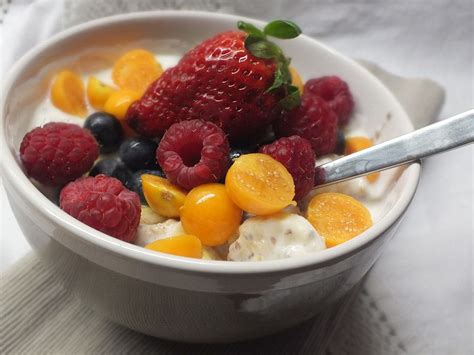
x=193 y=153
x=58 y=153
x=313 y=120
x=296 y=154
x=103 y=203
x=336 y=93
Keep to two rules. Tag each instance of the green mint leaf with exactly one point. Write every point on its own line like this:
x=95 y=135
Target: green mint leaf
x=250 y=29
x=292 y=99
x=282 y=29
x=262 y=48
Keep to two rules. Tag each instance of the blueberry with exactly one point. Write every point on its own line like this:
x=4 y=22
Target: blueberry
x=139 y=153
x=114 y=168
x=106 y=129
x=340 y=143
x=135 y=182
x=236 y=152
x=267 y=137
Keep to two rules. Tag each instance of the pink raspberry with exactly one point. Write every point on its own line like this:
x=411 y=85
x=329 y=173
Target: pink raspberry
x=103 y=203
x=58 y=153
x=313 y=120
x=296 y=154
x=193 y=153
x=336 y=93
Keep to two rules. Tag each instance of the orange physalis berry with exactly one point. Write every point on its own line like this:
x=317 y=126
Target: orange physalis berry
x=338 y=217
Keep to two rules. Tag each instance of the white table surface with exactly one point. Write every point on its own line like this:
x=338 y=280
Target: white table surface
x=430 y=260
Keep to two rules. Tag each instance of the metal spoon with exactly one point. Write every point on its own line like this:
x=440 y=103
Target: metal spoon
x=439 y=137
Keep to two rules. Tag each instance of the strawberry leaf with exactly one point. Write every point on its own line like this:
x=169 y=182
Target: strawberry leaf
x=262 y=48
x=258 y=45
x=278 y=81
x=250 y=29
x=251 y=39
x=285 y=69
x=282 y=29
x=292 y=99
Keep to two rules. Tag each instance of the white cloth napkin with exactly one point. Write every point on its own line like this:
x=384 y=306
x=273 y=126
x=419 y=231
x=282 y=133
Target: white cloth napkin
x=418 y=297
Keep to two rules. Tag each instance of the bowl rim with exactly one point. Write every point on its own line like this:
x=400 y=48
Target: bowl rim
x=13 y=172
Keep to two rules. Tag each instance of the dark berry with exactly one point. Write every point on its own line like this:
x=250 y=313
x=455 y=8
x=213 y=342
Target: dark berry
x=238 y=151
x=135 y=182
x=313 y=120
x=106 y=129
x=103 y=203
x=139 y=153
x=112 y=167
x=58 y=153
x=340 y=143
x=267 y=137
x=193 y=153
x=336 y=93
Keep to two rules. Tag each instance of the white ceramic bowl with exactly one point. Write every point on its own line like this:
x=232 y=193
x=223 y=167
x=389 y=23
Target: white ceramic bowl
x=179 y=298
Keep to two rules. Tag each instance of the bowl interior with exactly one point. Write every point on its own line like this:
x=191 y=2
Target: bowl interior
x=94 y=46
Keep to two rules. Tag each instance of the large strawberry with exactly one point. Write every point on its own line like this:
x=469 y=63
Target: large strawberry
x=238 y=80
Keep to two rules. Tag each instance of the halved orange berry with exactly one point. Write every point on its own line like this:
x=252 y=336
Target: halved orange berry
x=163 y=197
x=259 y=184
x=98 y=93
x=67 y=93
x=136 y=70
x=356 y=144
x=296 y=80
x=209 y=214
x=181 y=245
x=338 y=217
x=118 y=103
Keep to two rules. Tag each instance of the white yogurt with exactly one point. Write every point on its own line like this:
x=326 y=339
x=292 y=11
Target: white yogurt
x=279 y=236
x=148 y=216
x=148 y=233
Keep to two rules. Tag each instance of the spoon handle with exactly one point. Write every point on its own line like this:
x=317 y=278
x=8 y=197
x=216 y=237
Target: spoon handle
x=439 y=137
